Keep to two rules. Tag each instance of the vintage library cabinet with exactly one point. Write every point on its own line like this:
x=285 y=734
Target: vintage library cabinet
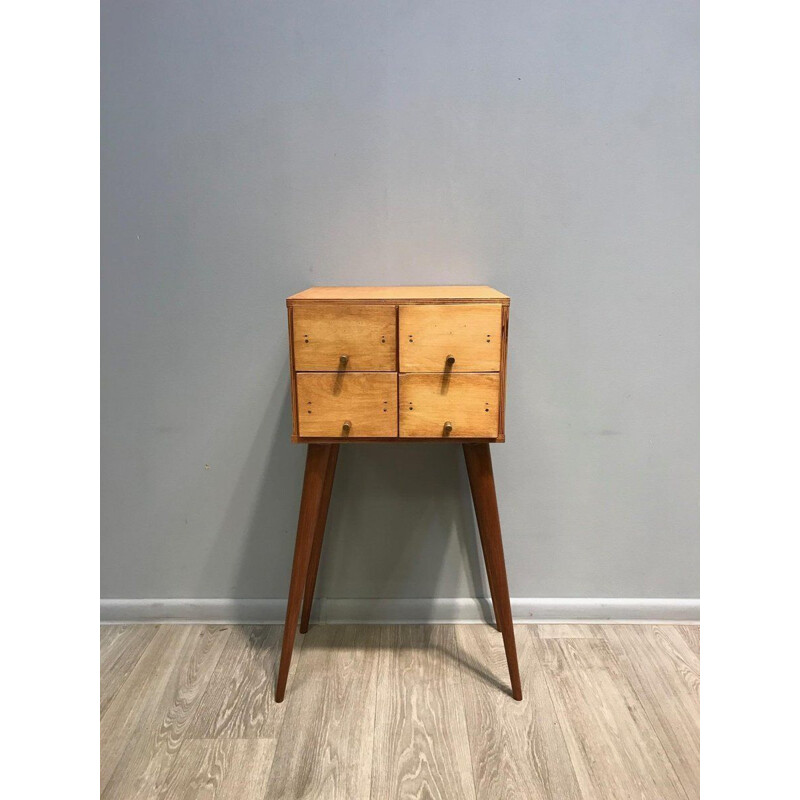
x=395 y=364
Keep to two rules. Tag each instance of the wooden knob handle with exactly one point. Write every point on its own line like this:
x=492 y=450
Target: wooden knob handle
x=346 y=426
x=450 y=360
x=448 y=426
x=343 y=360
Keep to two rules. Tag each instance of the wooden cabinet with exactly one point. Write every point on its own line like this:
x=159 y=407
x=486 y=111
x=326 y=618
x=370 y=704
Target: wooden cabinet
x=393 y=364
x=403 y=362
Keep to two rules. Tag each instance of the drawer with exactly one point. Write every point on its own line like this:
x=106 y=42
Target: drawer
x=470 y=334
x=364 y=335
x=470 y=403
x=326 y=401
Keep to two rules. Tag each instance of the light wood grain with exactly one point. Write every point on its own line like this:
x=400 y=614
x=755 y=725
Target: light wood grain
x=221 y=769
x=664 y=673
x=121 y=646
x=143 y=689
x=571 y=631
x=365 y=334
x=398 y=294
x=614 y=750
x=161 y=729
x=691 y=634
x=471 y=334
x=367 y=400
x=421 y=745
x=238 y=703
x=468 y=402
x=608 y=712
x=325 y=747
x=518 y=751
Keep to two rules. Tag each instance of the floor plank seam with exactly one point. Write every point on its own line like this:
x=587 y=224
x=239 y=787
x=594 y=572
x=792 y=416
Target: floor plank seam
x=283 y=721
x=536 y=645
x=689 y=791
x=464 y=713
x=130 y=671
x=643 y=706
x=646 y=679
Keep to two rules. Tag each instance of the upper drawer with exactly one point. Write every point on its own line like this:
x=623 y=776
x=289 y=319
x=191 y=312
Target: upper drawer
x=335 y=337
x=470 y=335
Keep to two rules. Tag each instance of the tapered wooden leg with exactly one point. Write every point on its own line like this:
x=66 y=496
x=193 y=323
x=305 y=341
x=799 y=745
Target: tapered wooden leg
x=481 y=478
x=319 y=532
x=313 y=485
x=486 y=559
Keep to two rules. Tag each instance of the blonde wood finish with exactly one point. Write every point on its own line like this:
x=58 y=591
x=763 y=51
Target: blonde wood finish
x=325 y=747
x=377 y=714
x=612 y=744
x=339 y=331
x=219 y=769
x=238 y=703
x=120 y=648
x=398 y=294
x=469 y=402
x=326 y=401
x=141 y=691
x=665 y=673
x=518 y=750
x=428 y=335
x=691 y=634
x=144 y=763
x=364 y=335
x=421 y=743
x=571 y=631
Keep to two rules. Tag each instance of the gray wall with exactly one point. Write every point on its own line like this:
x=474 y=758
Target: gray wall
x=252 y=149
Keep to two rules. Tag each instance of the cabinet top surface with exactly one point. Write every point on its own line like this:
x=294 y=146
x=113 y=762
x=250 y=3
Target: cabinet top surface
x=398 y=294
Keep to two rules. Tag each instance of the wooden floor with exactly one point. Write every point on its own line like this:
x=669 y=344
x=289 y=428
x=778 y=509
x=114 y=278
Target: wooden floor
x=609 y=712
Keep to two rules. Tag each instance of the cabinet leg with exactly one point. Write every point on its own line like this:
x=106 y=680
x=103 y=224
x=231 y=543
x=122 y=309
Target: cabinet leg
x=319 y=532
x=313 y=484
x=486 y=560
x=481 y=479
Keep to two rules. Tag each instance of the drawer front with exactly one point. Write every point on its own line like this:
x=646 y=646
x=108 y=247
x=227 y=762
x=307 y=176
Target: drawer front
x=327 y=401
x=469 y=334
x=469 y=403
x=364 y=335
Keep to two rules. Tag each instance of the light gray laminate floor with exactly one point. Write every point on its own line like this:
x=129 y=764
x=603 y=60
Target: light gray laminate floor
x=385 y=712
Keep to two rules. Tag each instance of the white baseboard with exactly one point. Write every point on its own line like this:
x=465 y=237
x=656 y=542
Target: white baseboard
x=367 y=610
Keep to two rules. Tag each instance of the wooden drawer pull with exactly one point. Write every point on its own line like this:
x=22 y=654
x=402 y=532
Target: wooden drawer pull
x=448 y=427
x=450 y=360
x=346 y=426
x=343 y=360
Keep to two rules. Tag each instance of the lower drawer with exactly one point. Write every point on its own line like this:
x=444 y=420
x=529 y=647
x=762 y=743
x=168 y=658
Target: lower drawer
x=347 y=404
x=455 y=405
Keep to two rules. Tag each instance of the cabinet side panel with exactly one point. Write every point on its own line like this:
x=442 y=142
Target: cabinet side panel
x=501 y=432
x=292 y=374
